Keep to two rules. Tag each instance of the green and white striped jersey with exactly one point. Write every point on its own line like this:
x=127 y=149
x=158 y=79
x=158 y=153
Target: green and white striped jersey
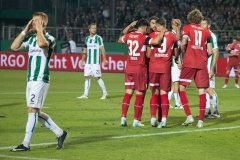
x=93 y=49
x=180 y=56
x=38 y=58
x=214 y=42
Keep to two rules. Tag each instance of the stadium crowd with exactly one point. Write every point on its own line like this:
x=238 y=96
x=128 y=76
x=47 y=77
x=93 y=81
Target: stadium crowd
x=225 y=14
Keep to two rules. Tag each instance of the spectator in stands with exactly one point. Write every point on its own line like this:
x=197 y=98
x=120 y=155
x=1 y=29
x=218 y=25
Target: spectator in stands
x=72 y=45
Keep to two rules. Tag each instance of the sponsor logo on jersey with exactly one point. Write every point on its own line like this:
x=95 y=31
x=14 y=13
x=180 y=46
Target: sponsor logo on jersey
x=160 y=55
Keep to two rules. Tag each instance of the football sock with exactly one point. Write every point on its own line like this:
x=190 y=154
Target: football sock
x=87 y=86
x=138 y=106
x=159 y=109
x=154 y=105
x=207 y=103
x=101 y=84
x=170 y=95
x=48 y=123
x=164 y=105
x=226 y=78
x=125 y=104
x=177 y=99
x=140 y=118
x=30 y=128
x=202 y=106
x=236 y=79
x=214 y=102
x=185 y=104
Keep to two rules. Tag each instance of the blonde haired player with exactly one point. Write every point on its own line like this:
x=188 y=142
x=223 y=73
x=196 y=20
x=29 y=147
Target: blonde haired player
x=40 y=46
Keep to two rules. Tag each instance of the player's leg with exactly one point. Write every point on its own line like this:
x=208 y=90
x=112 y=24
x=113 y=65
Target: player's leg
x=186 y=77
x=140 y=81
x=228 y=69
x=165 y=86
x=202 y=82
x=176 y=95
x=129 y=86
x=154 y=101
x=97 y=74
x=236 y=76
x=87 y=83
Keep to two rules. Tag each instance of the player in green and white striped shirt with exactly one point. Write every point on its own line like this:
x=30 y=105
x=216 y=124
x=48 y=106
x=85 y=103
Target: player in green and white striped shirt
x=93 y=50
x=40 y=46
x=211 y=95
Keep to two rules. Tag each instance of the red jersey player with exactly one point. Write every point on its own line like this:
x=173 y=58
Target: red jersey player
x=233 y=61
x=196 y=42
x=160 y=71
x=136 y=69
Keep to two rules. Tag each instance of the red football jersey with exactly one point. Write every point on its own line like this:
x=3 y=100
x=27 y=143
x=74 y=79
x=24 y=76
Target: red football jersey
x=136 y=61
x=196 y=55
x=236 y=47
x=161 y=56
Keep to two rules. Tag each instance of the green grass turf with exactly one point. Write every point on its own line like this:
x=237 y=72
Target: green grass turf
x=94 y=125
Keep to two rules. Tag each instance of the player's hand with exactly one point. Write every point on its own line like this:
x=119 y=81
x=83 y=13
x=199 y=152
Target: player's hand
x=176 y=60
x=179 y=65
x=28 y=26
x=82 y=64
x=133 y=23
x=105 y=62
x=39 y=25
x=211 y=74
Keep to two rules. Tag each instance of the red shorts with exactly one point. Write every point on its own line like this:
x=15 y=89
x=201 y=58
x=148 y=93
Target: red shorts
x=234 y=65
x=160 y=81
x=200 y=77
x=136 y=81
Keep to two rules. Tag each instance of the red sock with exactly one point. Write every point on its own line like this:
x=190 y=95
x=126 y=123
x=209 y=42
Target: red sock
x=125 y=104
x=159 y=109
x=140 y=118
x=138 y=106
x=185 y=104
x=202 y=106
x=154 y=105
x=226 y=78
x=164 y=105
x=236 y=79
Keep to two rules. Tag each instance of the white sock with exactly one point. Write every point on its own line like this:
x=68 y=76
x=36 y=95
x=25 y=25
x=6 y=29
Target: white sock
x=164 y=119
x=101 y=84
x=214 y=101
x=207 y=103
x=170 y=94
x=30 y=128
x=87 y=86
x=48 y=123
x=177 y=99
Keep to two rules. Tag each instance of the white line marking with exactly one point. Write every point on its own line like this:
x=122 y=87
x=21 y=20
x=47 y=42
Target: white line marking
x=18 y=157
x=143 y=135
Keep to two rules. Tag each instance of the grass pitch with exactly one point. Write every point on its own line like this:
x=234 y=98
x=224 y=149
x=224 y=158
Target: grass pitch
x=94 y=125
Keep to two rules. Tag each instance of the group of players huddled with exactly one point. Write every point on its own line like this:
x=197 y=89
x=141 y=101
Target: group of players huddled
x=158 y=57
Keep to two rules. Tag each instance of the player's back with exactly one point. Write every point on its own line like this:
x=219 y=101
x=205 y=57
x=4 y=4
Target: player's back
x=161 y=56
x=196 y=50
x=136 y=61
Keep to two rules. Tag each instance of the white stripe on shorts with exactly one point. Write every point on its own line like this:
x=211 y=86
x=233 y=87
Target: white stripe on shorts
x=154 y=84
x=129 y=83
x=185 y=80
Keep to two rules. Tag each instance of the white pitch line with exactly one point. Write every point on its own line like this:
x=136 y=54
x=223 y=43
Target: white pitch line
x=18 y=157
x=143 y=135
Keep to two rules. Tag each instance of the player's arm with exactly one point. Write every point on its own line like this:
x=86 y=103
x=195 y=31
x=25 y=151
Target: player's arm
x=176 y=28
x=130 y=26
x=17 y=43
x=215 y=58
x=84 y=55
x=148 y=53
x=103 y=55
x=183 y=43
x=157 y=40
x=209 y=48
x=121 y=39
x=41 y=40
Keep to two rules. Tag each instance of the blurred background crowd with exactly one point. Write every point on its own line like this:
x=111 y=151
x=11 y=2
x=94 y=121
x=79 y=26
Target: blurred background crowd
x=111 y=16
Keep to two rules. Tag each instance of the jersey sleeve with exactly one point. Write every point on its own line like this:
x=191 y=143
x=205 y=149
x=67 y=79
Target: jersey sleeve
x=100 y=41
x=26 y=41
x=124 y=38
x=214 y=41
x=52 y=41
x=185 y=31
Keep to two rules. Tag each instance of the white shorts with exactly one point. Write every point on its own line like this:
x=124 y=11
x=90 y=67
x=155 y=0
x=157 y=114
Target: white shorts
x=175 y=73
x=92 y=70
x=36 y=93
x=212 y=82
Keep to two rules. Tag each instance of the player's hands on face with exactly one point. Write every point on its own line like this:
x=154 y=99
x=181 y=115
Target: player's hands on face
x=39 y=25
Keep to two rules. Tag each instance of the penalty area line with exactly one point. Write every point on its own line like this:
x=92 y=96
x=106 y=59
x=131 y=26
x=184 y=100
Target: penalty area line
x=143 y=135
